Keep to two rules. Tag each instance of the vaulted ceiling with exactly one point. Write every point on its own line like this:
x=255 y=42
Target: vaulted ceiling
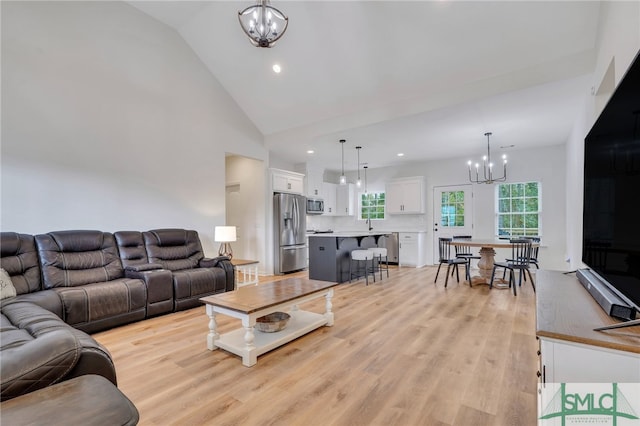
x=426 y=78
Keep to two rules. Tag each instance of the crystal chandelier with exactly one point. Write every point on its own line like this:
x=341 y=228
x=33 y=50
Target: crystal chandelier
x=487 y=168
x=263 y=24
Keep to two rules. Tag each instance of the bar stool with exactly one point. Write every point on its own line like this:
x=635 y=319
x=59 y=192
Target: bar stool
x=379 y=253
x=359 y=256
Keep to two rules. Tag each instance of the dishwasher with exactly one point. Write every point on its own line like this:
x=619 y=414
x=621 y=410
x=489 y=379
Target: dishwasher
x=393 y=248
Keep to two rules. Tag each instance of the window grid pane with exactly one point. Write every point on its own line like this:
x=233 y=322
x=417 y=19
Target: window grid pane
x=452 y=213
x=518 y=209
x=372 y=206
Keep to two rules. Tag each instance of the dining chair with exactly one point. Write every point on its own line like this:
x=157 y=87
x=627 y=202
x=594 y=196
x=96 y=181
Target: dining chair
x=533 y=258
x=444 y=249
x=465 y=253
x=519 y=261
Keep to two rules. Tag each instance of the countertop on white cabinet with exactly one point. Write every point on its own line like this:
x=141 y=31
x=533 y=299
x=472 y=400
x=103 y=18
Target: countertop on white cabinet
x=352 y=234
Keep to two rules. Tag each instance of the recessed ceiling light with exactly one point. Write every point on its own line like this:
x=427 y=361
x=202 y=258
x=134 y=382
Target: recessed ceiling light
x=276 y=68
x=400 y=154
x=310 y=151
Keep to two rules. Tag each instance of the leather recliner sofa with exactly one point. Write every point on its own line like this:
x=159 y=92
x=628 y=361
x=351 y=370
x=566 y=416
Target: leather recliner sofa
x=70 y=283
x=37 y=348
x=194 y=276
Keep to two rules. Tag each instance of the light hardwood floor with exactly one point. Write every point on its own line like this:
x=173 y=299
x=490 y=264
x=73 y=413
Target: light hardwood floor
x=404 y=351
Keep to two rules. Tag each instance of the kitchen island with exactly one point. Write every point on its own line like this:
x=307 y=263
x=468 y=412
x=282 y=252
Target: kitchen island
x=329 y=253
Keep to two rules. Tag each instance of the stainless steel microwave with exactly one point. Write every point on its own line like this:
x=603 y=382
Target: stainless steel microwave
x=315 y=206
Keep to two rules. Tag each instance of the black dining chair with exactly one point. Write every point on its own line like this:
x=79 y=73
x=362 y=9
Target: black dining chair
x=444 y=249
x=533 y=258
x=519 y=261
x=465 y=253
x=534 y=251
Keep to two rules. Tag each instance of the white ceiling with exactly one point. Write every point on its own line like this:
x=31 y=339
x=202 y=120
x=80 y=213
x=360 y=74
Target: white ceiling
x=427 y=78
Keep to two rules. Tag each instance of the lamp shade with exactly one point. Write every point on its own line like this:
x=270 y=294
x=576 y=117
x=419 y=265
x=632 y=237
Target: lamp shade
x=225 y=234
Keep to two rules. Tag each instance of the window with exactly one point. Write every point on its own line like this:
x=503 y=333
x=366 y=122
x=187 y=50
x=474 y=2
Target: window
x=518 y=209
x=372 y=205
x=452 y=213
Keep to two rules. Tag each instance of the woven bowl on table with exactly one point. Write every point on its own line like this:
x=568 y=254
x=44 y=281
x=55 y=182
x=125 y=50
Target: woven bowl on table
x=272 y=322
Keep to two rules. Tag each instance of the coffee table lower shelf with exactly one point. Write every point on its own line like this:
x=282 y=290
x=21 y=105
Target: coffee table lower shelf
x=300 y=323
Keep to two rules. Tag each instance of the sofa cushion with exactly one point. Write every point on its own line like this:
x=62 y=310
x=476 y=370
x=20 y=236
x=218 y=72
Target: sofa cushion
x=6 y=286
x=198 y=282
x=95 y=302
x=76 y=258
x=20 y=259
x=174 y=249
x=131 y=248
x=37 y=349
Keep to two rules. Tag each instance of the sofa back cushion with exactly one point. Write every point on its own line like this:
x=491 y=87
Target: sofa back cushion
x=131 y=248
x=74 y=258
x=174 y=249
x=20 y=259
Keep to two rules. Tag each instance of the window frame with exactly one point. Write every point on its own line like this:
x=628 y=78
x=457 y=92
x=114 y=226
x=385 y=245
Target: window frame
x=384 y=205
x=523 y=199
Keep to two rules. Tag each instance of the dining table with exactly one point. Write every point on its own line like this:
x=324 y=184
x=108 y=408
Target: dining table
x=487 y=258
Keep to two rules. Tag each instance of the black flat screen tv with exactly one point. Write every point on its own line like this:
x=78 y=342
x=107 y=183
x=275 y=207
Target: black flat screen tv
x=611 y=216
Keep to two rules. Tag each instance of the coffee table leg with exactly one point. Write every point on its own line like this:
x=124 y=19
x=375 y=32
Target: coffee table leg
x=249 y=353
x=213 y=329
x=328 y=306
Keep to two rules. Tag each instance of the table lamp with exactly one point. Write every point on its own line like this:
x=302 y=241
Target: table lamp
x=225 y=235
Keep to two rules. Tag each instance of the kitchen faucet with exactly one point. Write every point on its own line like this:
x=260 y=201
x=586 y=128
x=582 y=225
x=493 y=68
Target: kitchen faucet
x=369 y=222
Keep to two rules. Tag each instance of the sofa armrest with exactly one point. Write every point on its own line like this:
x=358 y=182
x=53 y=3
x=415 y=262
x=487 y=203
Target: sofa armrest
x=143 y=267
x=209 y=262
x=221 y=262
x=159 y=284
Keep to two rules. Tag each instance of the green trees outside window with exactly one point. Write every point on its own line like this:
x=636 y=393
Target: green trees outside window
x=372 y=206
x=518 y=209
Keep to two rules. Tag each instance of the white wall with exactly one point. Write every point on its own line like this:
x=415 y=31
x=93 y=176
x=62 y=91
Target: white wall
x=248 y=177
x=111 y=122
x=618 y=42
x=545 y=165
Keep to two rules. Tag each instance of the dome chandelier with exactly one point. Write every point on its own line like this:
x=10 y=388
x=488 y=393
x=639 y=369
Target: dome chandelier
x=263 y=24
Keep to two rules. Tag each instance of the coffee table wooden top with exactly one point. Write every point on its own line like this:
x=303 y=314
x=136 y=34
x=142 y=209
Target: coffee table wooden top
x=254 y=298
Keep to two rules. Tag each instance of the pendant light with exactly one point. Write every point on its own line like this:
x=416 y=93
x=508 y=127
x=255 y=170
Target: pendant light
x=263 y=24
x=358 y=182
x=343 y=178
x=365 y=167
x=487 y=168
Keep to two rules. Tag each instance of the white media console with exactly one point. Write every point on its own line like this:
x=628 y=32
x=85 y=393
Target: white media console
x=570 y=350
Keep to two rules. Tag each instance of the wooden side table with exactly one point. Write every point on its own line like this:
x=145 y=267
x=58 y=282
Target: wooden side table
x=246 y=272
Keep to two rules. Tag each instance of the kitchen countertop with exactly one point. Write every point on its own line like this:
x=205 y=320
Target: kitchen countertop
x=352 y=234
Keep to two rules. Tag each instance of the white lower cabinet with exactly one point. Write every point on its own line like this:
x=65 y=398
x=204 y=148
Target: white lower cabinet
x=412 y=247
x=568 y=362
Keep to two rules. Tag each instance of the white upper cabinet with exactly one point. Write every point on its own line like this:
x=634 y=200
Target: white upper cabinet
x=329 y=196
x=345 y=199
x=405 y=196
x=286 y=181
x=314 y=180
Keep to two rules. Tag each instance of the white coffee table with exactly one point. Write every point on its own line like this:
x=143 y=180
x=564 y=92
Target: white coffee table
x=252 y=302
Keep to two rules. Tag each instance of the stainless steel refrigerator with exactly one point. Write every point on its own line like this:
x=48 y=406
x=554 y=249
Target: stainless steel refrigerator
x=290 y=227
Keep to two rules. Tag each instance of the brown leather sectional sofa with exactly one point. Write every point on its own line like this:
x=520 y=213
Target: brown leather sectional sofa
x=70 y=283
